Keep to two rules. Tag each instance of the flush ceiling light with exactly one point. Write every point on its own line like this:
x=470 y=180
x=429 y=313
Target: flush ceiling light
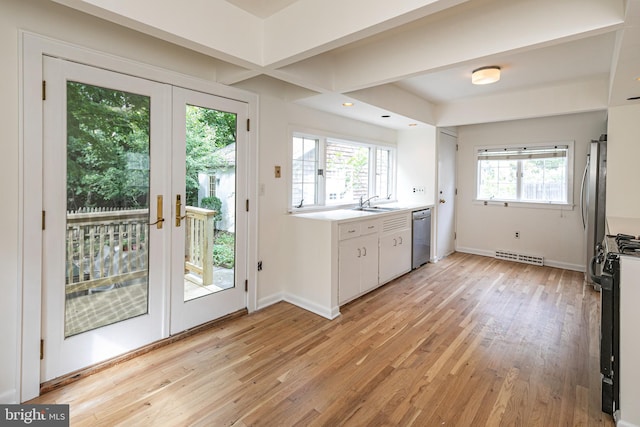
x=485 y=75
x=347 y=104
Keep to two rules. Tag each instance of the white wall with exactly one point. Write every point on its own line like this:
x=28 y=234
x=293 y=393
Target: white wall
x=623 y=154
x=555 y=234
x=416 y=165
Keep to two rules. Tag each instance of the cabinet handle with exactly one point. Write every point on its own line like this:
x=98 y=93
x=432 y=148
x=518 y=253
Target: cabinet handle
x=400 y=239
x=395 y=242
x=365 y=251
x=359 y=253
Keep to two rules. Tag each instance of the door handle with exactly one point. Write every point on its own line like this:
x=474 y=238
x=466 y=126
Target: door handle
x=179 y=210
x=160 y=219
x=443 y=201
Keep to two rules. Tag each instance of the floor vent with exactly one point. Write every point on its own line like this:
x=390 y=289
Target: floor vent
x=527 y=259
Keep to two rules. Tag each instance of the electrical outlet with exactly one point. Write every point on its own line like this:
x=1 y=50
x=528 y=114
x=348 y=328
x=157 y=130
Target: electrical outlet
x=277 y=172
x=517 y=235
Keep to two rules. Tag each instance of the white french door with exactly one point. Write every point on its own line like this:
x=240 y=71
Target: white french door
x=209 y=188
x=125 y=261
x=104 y=265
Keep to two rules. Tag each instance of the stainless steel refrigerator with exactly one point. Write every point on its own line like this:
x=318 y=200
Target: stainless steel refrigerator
x=592 y=203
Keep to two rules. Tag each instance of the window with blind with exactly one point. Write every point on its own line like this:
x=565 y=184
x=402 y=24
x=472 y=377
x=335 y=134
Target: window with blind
x=331 y=172
x=531 y=174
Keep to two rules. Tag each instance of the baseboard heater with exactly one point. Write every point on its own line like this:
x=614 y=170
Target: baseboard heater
x=527 y=259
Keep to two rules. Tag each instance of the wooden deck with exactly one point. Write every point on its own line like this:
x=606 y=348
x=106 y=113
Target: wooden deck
x=468 y=341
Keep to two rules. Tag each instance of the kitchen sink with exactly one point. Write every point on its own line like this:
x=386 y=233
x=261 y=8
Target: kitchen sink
x=377 y=209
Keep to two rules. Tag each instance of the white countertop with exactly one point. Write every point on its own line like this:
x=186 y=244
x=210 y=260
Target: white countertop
x=620 y=225
x=348 y=214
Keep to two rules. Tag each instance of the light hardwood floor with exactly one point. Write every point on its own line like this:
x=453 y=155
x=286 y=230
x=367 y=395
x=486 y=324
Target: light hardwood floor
x=468 y=341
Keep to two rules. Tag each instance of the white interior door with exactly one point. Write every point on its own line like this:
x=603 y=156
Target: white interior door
x=105 y=266
x=445 y=228
x=209 y=222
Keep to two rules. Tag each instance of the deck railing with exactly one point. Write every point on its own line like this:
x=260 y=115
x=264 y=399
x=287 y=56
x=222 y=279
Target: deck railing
x=109 y=248
x=199 y=245
x=105 y=248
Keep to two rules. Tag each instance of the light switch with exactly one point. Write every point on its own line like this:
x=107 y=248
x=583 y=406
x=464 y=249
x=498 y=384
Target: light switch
x=277 y=172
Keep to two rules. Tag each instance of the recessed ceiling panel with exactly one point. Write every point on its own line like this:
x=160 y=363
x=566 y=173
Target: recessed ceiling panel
x=262 y=8
x=577 y=60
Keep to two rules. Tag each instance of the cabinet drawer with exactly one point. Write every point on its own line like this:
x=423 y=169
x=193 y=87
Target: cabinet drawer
x=369 y=227
x=349 y=230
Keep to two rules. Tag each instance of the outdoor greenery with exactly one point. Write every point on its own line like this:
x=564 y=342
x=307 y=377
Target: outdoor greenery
x=214 y=204
x=207 y=132
x=224 y=249
x=108 y=133
x=108 y=147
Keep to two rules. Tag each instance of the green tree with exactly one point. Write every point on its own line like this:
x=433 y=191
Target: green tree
x=107 y=147
x=214 y=204
x=108 y=137
x=207 y=132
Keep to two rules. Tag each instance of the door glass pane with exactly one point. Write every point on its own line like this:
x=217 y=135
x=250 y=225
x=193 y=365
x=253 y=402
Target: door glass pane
x=210 y=201
x=107 y=207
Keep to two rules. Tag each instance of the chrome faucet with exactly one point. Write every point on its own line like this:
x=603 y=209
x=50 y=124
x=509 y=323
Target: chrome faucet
x=367 y=201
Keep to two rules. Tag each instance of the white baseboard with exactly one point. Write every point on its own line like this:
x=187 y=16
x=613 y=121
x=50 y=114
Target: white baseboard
x=547 y=262
x=311 y=306
x=8 y=397
x=269 y=300
x=299 y=302
x=622 y=423
x=474 y=251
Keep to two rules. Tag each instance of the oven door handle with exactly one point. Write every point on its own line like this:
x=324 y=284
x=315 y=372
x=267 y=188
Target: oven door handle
x=592 y=270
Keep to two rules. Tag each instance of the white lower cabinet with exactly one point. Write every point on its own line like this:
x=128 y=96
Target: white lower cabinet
x=371 y=253
x=339 y=256
x=395 y=255
x=357 y=266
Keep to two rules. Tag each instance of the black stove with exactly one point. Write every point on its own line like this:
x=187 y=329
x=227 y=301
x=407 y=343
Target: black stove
x=609 y=254
x=624 y=244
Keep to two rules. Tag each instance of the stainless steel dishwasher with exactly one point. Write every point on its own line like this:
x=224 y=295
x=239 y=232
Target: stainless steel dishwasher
x=421 y=237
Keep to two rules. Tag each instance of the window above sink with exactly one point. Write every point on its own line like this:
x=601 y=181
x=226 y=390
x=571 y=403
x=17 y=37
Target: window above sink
x=334 y=173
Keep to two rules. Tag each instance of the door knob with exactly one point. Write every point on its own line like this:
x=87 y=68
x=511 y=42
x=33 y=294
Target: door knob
x=443 y=201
